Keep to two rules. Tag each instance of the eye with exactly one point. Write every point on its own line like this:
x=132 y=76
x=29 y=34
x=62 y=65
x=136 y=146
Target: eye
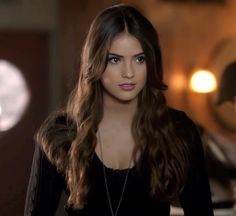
x=113 y=60
x=140 y=59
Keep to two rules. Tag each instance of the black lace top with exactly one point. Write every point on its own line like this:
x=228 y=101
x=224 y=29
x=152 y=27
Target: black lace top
x=46 y=186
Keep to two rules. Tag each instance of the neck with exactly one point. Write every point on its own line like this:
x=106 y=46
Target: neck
x=119 y=111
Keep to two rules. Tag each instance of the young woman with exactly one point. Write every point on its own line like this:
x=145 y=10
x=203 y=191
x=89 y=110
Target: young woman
x=117 y=149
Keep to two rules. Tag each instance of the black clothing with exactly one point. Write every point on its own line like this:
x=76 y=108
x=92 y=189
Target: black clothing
x=46 y=185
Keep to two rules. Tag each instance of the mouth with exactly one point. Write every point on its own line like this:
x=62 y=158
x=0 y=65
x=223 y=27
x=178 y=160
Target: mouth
x=127 y=86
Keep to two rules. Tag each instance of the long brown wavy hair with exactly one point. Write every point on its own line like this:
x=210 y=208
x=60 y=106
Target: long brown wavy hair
x=70 y=144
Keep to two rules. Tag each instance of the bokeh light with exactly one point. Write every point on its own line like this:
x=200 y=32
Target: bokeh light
x=203 y=81
x=14 y=95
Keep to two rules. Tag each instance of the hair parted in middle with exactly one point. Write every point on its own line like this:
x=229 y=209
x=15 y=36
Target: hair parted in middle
x=164 y=154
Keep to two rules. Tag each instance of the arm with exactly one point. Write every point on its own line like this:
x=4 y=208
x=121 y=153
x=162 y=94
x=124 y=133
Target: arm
x=45 y=187
x=196 y=196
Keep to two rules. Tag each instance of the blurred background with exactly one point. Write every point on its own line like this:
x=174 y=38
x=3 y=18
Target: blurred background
x=40 y=46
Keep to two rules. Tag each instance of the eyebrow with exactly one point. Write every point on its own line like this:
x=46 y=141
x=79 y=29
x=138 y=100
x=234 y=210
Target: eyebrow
x=120 y=56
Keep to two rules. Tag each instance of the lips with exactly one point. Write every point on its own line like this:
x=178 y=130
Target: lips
x=127 y=86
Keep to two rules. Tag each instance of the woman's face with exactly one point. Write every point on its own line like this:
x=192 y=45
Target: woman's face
x=126 y=72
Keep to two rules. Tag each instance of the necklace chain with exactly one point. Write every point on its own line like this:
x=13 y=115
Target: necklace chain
x=106 y=182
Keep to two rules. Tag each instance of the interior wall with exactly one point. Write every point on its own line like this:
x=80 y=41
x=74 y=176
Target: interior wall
x=189 y=35
x=75 y=19
x=34 y=14
x=29 y=40
x=17 y=144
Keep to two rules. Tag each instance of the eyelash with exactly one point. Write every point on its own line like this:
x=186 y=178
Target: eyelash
x=111 y=60
x=140 y=59
x=116 y=60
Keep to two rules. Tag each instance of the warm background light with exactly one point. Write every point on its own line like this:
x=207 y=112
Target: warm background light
x=14 y=95
x=203 y=81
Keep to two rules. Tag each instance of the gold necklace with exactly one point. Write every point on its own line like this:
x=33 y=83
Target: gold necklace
x=106 y=184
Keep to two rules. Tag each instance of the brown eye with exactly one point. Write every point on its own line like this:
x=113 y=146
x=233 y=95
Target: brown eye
x=140 y=59
x=113 y=60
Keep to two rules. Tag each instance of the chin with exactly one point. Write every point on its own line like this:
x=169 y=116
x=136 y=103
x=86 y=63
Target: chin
x=126 y=99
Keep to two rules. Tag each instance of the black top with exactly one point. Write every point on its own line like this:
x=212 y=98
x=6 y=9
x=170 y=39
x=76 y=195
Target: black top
x=46 y=185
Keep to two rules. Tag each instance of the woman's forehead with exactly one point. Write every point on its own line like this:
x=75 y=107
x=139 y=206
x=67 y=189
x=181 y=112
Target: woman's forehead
x=125 y=43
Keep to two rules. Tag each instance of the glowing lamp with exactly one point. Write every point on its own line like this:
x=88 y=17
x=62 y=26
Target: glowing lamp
x=14 y=95
x=203 y=81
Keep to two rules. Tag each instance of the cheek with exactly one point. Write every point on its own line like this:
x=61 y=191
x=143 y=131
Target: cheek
x=109 y=76
x=143 y=77
x=106 y=80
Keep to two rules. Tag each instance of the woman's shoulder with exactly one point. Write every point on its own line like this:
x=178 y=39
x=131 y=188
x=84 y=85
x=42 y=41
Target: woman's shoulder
x=184 y=125
x=188 y=131
x=58 y=125
x=55 y=136
x=60 y=118
x=180 y=118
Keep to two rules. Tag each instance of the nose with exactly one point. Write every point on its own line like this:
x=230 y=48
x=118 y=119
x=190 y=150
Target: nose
x=128 y=71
